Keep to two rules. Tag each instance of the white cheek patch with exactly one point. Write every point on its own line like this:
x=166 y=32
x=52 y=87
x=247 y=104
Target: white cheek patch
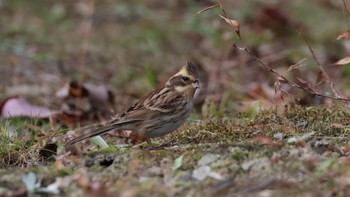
x=181 y=88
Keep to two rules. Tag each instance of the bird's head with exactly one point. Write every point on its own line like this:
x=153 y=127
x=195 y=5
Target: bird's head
x=186 y=80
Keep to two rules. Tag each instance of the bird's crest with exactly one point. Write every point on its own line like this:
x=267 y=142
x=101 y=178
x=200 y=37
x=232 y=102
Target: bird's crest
x=188 y=70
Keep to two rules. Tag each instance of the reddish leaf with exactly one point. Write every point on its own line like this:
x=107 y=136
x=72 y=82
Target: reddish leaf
x=344 y=35
x=233 y=23
x=18 y=106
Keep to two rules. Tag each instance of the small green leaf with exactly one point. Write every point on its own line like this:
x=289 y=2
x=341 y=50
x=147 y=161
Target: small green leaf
x=99 y=141
x=178 y=163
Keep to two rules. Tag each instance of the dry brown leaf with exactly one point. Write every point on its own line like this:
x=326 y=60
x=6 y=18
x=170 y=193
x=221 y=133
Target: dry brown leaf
x=68 y=119
x=83 y=101
x=343 y=35
x=233 y=23
x=345 y=60
x=97 y=94
x=321 y=78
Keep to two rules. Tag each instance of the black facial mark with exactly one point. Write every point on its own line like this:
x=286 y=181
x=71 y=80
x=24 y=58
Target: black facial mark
x=185 y=78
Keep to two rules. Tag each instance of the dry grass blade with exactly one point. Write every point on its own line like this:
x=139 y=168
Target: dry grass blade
x=206 y=9
x=308 y=86
x=335 y=91
x=295 y=66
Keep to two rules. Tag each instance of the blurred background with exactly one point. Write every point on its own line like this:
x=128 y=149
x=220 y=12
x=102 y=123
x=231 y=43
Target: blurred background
x=131 y=46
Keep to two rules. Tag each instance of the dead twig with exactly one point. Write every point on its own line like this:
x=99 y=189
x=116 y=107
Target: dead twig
x=306 y=86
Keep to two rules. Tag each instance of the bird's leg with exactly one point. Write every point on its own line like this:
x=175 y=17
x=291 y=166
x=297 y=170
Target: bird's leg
x=148 y=140
x=139 y=138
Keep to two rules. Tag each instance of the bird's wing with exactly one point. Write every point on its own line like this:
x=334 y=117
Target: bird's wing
x=153 y=106
x=156 y=103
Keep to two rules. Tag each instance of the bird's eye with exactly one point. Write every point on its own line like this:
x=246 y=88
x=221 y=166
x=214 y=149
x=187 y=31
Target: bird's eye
x=185 y=78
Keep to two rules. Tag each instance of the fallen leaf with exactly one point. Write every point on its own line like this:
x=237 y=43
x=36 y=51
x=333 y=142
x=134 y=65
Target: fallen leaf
x=96 y=93
x=345 y=60
x=85 y=100
x=29 y=181
x=178 y=163
x=18 y=106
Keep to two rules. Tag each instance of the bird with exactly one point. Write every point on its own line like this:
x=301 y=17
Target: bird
x=161 y=111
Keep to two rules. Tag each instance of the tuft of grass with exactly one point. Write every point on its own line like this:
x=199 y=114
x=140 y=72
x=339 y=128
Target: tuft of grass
x=24 y=142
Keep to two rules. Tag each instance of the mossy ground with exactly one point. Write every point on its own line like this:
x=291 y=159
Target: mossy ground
x=248 y=156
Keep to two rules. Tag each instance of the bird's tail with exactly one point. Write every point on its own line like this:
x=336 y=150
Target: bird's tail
x=97 y=129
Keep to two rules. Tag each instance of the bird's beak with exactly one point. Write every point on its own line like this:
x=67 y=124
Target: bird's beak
x=196 y=84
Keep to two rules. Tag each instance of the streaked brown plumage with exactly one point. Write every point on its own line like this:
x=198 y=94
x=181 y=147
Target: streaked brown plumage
x=160 y=112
